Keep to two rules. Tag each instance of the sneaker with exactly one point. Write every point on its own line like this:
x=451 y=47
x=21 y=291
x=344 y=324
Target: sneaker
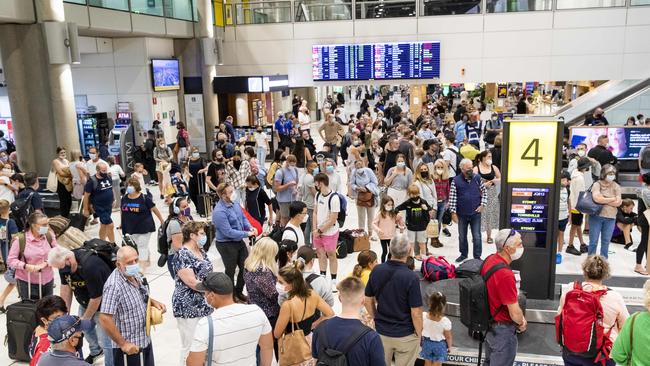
x=572 y=250
x=446 y=232
x=460 y=259
x=91 y=359
x=584 y=248
x=334 y=289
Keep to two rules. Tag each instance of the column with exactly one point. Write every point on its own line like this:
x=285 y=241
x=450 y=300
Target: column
x=208 y=72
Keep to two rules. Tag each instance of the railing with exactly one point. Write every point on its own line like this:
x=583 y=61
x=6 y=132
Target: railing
x=450 y=7
x=311 y=11
x=263 y=12
x=385 y=9
x=175 y=9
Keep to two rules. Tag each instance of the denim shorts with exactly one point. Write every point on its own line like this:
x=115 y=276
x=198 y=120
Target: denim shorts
x=434 y=350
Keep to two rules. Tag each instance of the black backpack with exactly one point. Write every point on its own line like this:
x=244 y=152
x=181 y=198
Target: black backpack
x=163 y=243
x=278 y=231
x=106 y=251
x=474 y=305
x=459 y=157
x=11 y=147
x=20 y=209
x=328 y=356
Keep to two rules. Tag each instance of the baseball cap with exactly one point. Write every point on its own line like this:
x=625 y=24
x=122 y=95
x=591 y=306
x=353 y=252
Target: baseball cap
x=65 y=326
x=217 y=282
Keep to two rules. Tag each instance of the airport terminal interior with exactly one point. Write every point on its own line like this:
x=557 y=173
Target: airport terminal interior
x=499 y=125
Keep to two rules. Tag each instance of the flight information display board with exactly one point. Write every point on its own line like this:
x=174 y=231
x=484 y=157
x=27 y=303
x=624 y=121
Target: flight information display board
x=381 y=61
x=529 y=215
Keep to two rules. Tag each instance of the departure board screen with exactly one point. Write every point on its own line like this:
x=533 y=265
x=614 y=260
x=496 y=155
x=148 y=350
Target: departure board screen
x=381 y=61
x=529 y=215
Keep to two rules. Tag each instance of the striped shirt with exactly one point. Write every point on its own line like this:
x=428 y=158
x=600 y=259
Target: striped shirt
x=237 y=330
x=128 y=305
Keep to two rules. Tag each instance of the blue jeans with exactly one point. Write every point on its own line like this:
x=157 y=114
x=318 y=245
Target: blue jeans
x=261 y=156
x=603 y=227
x=440 y=213
x=501 y=345
x=474 y=222
x=97 y=339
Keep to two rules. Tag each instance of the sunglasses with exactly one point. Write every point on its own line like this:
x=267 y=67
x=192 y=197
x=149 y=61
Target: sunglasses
x=512 y=233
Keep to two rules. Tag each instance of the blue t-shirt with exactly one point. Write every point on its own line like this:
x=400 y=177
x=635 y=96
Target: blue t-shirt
x=397 y=290
x=279 y=127
x=101 y=195
x=284 y=176
x=8 y=228
x=136 y=215
x=37 y=200
x=368 y=351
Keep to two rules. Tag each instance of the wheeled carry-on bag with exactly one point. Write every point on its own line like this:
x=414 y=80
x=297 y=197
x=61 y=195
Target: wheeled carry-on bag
x=21 y=322
x=140 y=360
x=205 y=199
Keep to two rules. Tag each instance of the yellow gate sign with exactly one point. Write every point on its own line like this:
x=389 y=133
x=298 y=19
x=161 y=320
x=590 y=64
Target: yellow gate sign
x=532 y=148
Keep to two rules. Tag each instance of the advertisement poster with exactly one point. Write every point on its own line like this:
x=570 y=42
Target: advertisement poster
x=195 y=121
x=624 y=142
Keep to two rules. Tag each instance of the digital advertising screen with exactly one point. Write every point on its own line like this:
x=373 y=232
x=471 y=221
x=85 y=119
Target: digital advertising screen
x=529 y=215
x=165 y=75
x=624 y=142
x=380 y=61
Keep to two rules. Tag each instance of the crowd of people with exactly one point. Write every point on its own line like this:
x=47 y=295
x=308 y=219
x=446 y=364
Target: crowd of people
x=276 y=230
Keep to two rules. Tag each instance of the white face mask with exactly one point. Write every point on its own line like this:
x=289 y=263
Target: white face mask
x=517 y=254
x=439 y=171
x=195 y=155
x=280 y=289
x=305 y=219
x=610 y=178
x=488 y=162
x=233 y=196
x=581 y=153
x=388 y=208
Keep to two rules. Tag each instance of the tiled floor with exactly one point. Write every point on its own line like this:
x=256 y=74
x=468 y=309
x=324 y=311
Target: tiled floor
x=166 y=338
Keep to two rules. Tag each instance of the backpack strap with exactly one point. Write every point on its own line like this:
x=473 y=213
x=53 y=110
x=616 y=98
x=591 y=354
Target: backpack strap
x=354 y=338
x=311 y=278
x=292 y=229
x=492 y=270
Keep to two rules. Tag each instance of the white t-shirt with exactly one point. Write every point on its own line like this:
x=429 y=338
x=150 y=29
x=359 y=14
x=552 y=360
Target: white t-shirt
x=91 y=166
x=237 y=330
x=434 y=329
x=451 y=157
x=6 y=193
x=261 y=140
x=298 y=236
x=322 y=207
x=116 y=171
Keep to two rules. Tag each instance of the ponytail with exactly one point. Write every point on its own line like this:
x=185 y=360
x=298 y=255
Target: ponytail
x=356 y=272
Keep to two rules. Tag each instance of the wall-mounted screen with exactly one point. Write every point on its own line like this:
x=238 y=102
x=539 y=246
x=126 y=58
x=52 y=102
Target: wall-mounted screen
x=380 y=61
x=165 y=75
x=624 y=142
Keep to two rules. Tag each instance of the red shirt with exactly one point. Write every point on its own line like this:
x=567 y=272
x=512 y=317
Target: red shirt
x=501 y=287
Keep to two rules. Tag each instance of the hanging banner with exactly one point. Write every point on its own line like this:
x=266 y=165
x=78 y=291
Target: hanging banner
x=195 y=121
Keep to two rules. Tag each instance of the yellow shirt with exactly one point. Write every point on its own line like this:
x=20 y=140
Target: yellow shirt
x=469 y=151
x=365 y=275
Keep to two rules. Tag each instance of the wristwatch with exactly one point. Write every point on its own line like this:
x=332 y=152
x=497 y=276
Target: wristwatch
x=319 y=231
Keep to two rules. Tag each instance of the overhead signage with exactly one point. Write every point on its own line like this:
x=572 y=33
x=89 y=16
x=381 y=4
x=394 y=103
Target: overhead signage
x=531 y=152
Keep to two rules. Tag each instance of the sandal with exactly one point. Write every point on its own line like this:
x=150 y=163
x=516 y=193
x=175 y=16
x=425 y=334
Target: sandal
x=490 y=241
x=641 y=272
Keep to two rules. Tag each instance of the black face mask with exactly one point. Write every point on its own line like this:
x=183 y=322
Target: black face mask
x=468 y=173
x=236 y=163
x=424 y=174
x=80 y=344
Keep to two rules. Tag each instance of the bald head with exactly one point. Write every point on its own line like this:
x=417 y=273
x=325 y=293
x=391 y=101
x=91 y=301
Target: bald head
x=101 y=167
x=126 y=255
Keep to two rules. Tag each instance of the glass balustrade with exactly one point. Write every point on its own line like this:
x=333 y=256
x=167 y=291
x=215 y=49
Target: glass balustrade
x=263 y=12
x=385 y=9
x=82 y=2
x=148 y=7
x=310 y=11
x=178 y=9
x=450 y=7
x=509 y=6
x=640 y=2
x=110 y=4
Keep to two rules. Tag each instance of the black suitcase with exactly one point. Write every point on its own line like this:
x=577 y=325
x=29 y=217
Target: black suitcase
x=77 y=219
x=205 y=200
x=21 y=322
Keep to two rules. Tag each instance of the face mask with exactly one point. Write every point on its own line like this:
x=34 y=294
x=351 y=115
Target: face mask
x=162 y=146
x=42 y=230
x=130 y=190
x=581 y=153
x=80 y=343
x=424 y=174
x=316 y=170
x=202 y=240
x=330 y=169
x=92 y=156
x=517 y=254
x=233 y=196
x=388 y=208
x=280 y=289
x=103 y=175
x=195 y=155
x=488 y=162
x=131 y=270
x=305 y=219
x=252 y=189
x=186 y=211
x=610 y=178
x=439 y=171
x=401 y=164
x=468 y=173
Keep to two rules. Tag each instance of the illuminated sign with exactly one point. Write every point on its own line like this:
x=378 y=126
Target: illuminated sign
x=529 y=215
x=532 y=148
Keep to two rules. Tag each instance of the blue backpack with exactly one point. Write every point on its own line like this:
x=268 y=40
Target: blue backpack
x=344 y=207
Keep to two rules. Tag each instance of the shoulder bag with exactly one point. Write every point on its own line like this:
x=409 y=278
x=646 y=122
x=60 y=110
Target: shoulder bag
x=293 y=348
x=586 y=203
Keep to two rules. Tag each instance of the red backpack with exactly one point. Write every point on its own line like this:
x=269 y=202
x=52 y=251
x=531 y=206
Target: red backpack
x=437 y=268
x=579 y=327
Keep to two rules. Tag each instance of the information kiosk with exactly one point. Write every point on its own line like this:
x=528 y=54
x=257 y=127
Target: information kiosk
x=530 y=187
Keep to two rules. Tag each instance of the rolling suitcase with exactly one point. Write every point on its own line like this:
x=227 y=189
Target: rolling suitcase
x=77 y=219
x=21 y=322
x=205 y=199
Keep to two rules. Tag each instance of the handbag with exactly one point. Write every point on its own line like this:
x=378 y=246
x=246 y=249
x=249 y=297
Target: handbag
x=293 y=348
x=586 y=203
x=432 y=229
x=365 y=199
x=361 y=240
x=52 y=184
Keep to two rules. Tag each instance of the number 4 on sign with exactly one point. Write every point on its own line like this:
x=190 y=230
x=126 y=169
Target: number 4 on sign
x=535 y=157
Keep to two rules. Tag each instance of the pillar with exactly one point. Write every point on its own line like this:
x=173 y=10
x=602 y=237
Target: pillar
x=208 y=72
x=41 y=94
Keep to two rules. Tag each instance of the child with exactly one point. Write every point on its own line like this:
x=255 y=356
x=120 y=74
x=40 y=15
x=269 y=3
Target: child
x=436 y=332
x=366 y=261
x=180 y=185
x=8 y=229
x=139 y=172
x=167 y=190
x=625 y=221
x=417 y=219
x=384 y=224
x=563 y=216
